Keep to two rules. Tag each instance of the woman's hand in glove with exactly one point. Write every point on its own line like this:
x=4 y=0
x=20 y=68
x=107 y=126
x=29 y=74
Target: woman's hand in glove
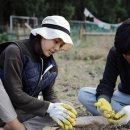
x=64 y=118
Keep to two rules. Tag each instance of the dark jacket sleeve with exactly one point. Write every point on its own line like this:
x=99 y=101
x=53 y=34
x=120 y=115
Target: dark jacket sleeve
x=14 y=87
x=50 y=95
x=107 y=84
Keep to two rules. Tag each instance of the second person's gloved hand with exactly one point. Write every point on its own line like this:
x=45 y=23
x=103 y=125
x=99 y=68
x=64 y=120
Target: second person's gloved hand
x=64 y=118
x=105 y=108
x=122 y=117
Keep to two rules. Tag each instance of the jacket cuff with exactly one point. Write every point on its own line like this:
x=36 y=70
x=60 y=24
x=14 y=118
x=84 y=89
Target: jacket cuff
x=104 y=96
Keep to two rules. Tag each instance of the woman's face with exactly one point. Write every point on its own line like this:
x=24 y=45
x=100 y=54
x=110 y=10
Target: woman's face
x=127 y=57
x=52 y=46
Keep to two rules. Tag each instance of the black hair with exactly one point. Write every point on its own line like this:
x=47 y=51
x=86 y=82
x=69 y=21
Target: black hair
x=122 y=38
x=35 y=38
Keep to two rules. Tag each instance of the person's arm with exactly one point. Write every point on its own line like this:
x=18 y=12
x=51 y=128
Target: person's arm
x=7 y=112
x=13 y=83
x=14 y=125
x=50 y=95
x=106 y=86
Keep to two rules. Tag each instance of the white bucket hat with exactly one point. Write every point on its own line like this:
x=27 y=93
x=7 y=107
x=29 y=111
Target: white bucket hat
x=55 y=27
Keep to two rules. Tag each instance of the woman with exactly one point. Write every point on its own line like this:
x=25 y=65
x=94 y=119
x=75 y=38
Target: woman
x=27 y=68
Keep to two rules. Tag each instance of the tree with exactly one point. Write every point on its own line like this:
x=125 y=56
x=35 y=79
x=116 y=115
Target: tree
x=107 y=10
x=58 y=7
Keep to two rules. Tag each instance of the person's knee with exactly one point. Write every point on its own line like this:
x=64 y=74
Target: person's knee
x=82 y=95
x=86 y=95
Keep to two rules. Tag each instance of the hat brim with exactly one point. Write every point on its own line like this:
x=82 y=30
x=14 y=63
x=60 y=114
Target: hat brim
x=49 y=33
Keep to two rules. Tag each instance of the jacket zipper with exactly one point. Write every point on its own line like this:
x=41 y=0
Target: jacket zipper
x=41 y=75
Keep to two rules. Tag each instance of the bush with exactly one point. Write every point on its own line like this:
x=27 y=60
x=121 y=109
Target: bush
x=3 y=37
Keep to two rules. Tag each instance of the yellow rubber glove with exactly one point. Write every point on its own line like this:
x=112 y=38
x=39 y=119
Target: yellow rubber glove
x=72 y=113
x=105 y=108
x=71 y=109
x=62 y=116
x=68 y=127
x=122 y=117
x=118 y=120
x=63 y=123
x=68 y=123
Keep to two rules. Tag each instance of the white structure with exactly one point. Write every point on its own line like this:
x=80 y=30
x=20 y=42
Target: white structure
x=22 y=19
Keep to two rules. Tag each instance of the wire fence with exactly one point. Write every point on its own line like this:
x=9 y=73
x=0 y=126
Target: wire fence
x=80 y=30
